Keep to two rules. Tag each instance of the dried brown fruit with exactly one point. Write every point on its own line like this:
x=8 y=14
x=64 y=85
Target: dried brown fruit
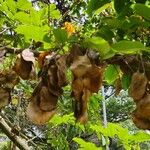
x=41 y=58
x=92 y=80
x=27 y=55
x=4 y=97
x=82 y=115
x=77 y=89
x=143 y=107
x=138 y=86
x=61 y=71
x=80 y=66
x=24 y=63
x=23 y=68
x=141 y=123
x=87 y=79
x=43 y=102
x=48 y=101
x=118 y=86
x=35 y=114
x=74 y=53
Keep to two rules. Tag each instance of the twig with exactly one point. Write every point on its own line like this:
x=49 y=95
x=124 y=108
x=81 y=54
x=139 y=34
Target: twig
x=104 y=114
x=4 y=30
x=21 y=134
x=19 y=142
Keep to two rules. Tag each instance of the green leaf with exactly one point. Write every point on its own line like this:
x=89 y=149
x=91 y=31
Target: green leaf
x=106 y=33
x=97 y=43
x=128 y=47
x=11 y=5
x=113 y=23
x=119 y=5
x=32 y=32
x=105 y=6
x=86 y=145
x=4 y=8
x=24 y=5
x=108 y=55
x=142 y=10
x=126 y=80
x=65 y=119
x=55 y=14
x=23 y=17
x=140 y=137
x=93 y=5
x=60 y=35
x=111 y=73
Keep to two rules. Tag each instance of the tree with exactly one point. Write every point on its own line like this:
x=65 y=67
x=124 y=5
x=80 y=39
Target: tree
x=43 y=43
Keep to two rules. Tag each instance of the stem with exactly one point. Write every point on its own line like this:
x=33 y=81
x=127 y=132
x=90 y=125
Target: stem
x=104 y=114
x=19 y=142
x=104 y=108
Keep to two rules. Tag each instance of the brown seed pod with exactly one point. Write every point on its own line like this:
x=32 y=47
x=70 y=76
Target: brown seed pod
x=137 y=87
x=143 y=107
x=23 y=68
x=118 y=86
x=61 y=70
x=4 y=97
x=48 y=101
x=80 y=66
x=141 y=123
x=77 y=88
x=41 y=58
x=82 y=114
x=35 y=114
x=92 y=80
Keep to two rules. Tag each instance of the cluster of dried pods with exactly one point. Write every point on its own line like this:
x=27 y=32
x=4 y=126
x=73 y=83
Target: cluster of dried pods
x=87 y=79
x=139 y=91
x=8 y=79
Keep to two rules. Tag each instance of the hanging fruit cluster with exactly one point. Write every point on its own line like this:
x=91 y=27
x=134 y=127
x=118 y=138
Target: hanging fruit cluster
x=87 y=79
x=24 y=64
x=43 y=102
x=139 y=91
x=87 y=72
x=8 y=79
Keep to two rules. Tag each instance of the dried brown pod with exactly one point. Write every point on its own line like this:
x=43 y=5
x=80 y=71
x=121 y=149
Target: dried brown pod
x=2 y=78
x=77 y=89
x=80 y=66
x=35 y=114
x=74 y=52
x=43 y=102
x=52 y=81
x=8 y=78
x=24 y=63
x=92 y=80
x=118 y=86
x=4 y=97
x=48 y=101
x=141 y=123
x=11 y=79
x=82 y=115
x=61 y=70
x=137 y=87
x=41 y=58
x=87 y=79
x=23 y=68
x=143 y=107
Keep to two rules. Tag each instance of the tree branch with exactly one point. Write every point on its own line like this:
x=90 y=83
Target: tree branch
x=19 y=142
